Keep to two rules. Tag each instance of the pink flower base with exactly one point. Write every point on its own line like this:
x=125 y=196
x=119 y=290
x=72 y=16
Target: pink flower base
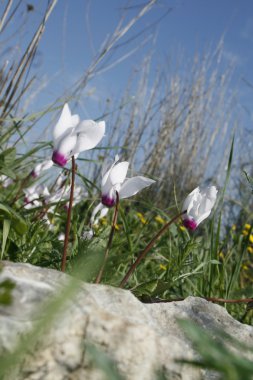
x=190 y=224
x=107 y=201
x=59 y=158
x=33 y=174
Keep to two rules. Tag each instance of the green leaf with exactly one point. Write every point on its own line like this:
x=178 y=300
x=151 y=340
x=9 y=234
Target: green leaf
x=19 y=225
x=8 y=172
x=18 y=222
x=147 y=288
x=152 y=288
x=9 y=156
x=5 y=209
x=6 y=230
x=6 y=288
x=90 y=258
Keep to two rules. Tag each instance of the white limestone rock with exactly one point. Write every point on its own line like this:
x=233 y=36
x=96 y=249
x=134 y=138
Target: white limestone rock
x=139 y=338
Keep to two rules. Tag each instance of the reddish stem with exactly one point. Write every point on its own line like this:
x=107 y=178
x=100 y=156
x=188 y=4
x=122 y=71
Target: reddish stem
x=67 y=230
x=115 y=216
x=147 y=249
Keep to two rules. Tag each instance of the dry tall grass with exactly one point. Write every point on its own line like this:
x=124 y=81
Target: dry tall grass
x=178 y=128
x=14 y=80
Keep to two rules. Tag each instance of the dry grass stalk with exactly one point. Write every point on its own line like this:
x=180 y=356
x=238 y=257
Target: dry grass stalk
x=12 y=89
x=177 y=129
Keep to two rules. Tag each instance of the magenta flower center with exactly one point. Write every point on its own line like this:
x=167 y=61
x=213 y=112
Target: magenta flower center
x=66 y=207
x=108 y=201
x=33 y=174
x=190 y=224
x=59 y=158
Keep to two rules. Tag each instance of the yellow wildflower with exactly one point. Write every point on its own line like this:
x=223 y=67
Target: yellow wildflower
x=247 y=226
x=245 y=232
x=163 y=267
x=182 y=228
x=233 y=228
x=159 y=219
x=142 y=218
x=103 y=221
x=251 y=238
x=221 y=255
x=250 y=249
x=245 y=267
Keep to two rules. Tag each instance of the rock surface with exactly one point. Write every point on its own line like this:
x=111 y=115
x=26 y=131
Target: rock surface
x=139 y=338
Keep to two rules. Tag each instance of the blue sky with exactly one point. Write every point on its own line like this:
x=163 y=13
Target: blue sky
x=77 y=28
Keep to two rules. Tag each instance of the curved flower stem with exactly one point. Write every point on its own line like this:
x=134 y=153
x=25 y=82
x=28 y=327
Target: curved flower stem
x=147 y=249
x=115 y=216
x=67 y=230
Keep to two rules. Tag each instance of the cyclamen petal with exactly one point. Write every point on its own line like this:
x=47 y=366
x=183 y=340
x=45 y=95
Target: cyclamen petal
x=99 y=209
x=107 y=166
x=89 y=134
x=118 y=173
x=65 y=122
x=106 y=184
x=109 y=181
x=188 y=202
x=133 y=185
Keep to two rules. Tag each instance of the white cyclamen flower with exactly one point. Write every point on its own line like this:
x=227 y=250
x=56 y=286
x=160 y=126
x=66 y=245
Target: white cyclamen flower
x=5 y=181
x=61 y=236
x=99 y=212
x=87 y=235
x=63 y=194
x=34 y=194
x=72 y=136
x=115 y=179
x=198 y=205
x=47 y=164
